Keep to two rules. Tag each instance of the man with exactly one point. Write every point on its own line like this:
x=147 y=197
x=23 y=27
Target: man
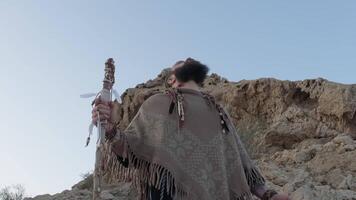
x=181 y=144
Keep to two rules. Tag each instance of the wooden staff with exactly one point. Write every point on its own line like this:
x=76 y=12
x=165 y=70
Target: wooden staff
x=105 y=95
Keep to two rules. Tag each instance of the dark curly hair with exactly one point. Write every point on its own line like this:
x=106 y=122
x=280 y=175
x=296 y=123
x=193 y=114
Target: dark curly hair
x=191 y=70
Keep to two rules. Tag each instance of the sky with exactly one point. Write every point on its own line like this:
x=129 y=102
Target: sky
x=53 y=51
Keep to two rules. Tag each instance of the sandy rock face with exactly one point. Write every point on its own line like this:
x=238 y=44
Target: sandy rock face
x=301 y=133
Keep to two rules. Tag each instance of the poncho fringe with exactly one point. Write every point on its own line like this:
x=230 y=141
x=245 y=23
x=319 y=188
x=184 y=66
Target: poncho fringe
x=152 y=173
x=139 y=171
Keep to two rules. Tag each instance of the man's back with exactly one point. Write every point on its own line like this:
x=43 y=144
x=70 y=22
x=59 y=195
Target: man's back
x=193 y=146
x=184 y=144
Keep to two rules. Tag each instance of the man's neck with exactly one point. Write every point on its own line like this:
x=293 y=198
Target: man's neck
x=190 y=85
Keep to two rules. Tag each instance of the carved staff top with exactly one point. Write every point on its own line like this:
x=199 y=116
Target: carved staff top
x=106 y=93
x=109 y=78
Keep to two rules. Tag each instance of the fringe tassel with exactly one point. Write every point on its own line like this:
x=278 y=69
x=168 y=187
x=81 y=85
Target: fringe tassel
x=243 y=196
x=180 y=107
x=254 y=177
x=177 y=99
x=144 y=175
x=223 y=117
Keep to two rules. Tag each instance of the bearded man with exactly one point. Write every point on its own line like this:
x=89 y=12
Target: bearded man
x=182 y=144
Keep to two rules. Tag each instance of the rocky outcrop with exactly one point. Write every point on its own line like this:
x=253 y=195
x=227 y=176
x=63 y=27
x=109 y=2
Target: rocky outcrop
x=301 y=133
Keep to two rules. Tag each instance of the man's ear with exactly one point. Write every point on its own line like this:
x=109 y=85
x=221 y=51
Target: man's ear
x=166 y=84
x=169 y=81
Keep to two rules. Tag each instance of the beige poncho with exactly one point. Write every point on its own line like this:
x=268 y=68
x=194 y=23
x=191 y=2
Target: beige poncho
x=184 y=135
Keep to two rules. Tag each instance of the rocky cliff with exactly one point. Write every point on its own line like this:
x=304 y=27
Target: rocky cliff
x=302 y=134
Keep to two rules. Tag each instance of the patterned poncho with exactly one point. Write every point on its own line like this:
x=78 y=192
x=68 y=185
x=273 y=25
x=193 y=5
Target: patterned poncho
x=183 y=137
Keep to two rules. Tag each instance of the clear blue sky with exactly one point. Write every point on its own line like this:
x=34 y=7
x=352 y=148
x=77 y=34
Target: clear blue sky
x=52 y=51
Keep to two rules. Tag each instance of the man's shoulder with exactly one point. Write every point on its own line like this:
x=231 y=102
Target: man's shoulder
x=157 y=100
x=158 y=96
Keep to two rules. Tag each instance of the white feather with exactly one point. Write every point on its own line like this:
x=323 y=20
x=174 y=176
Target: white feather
x=116 y=95
x=88 y=95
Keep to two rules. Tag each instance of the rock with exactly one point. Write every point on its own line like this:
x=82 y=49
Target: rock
x=343 y=140
x=301 y=133
x=349 y=183
x=121 y=191
x=67 y=194
x=305 y=192
x=276 y=176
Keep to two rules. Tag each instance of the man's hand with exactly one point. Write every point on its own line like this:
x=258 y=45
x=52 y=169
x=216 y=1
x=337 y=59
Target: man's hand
x=261 y=190
x=280 y=197
x=102 y=110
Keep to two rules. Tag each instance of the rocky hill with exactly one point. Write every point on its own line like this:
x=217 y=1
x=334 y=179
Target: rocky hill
x=302 y=134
